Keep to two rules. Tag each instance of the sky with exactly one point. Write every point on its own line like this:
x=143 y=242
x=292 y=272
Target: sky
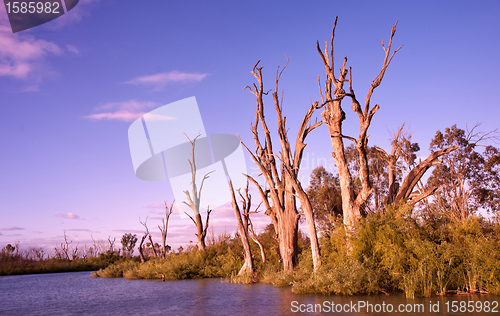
x=71 y=88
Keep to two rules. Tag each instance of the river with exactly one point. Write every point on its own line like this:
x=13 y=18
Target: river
x=78 y=293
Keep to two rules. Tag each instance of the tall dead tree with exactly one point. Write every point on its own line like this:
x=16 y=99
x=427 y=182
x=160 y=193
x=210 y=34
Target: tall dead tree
x=193 y=199
x=333 y=116
x=164 y=226
x=282 y=184
x=247 y=267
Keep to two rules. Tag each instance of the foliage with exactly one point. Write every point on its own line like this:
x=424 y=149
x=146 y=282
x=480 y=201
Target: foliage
x=128 y=242
x=325 y=199
x=469 y=179
x=394 y=251
x=32 y=261
x=221 y=259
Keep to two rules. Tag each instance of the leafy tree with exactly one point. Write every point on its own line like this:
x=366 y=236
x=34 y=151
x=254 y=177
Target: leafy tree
x=128 y=243
x=324 y=195
x=469 y=179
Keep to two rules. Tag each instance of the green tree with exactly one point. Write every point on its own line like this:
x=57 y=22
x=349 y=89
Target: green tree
x=128 y=243
x=469 y=179
x=324 y=195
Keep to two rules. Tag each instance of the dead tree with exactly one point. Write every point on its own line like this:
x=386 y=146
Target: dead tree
x=246 y=202
x=247 y=267
x=164 y=226
x=333 y=116
x=149 y=236
x=141 y=249
x=405 y=190
x=193 y=199
x=282 y=183
x=111 y=245
x=65 y=247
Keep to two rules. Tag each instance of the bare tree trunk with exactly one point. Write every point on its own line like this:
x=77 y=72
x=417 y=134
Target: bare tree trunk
x=333 y=116
x=163 y=228
x=141 y=250
x=288 y=233
x=257 y=241
x=199 y=233
x=111 y=245
x=64 y=247
x=405 y=191
x=155 y=254
x=411 y=180
x=193 y=200
x=247 y=222
x=145 y=224
x=281 y=182
x=247 y=267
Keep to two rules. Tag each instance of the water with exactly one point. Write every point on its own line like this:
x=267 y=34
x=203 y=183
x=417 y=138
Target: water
x=79 y=294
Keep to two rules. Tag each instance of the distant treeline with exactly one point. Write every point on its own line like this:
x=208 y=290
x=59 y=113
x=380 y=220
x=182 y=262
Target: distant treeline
x=12 y=262
x=65 y=258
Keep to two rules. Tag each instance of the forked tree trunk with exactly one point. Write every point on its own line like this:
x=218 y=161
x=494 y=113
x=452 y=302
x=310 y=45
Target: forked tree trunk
x=194 y=197
x=405 y=191
x=282 y=182
x=247 y=267
x=333 y=116
x=164 y=227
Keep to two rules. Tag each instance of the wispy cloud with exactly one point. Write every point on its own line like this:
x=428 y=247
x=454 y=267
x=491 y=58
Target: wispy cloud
x=68 y=215
x=72 y=49
x=160 y=80
x=80 y=230
x=127 y=111
x=12 y=228
x=21 y=55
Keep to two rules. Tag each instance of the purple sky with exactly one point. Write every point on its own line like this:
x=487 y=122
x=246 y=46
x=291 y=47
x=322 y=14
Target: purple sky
x=70 y=89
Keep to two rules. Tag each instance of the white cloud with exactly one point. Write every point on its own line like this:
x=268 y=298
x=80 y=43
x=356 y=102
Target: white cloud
x=68 y=215
x=160 y=80
x=127 y=111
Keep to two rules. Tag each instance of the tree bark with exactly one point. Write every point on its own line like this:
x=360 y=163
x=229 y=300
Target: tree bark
x=193 y=200
x=141 y=250
x=333 y=116
x=247 y=267
x=281 y=181
x=164 y=227
x=416 y=173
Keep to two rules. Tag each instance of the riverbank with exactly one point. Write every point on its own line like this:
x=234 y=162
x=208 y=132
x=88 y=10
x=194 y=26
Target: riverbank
x=391 y=252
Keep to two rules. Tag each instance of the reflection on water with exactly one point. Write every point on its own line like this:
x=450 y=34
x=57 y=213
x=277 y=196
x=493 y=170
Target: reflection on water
x=79 y=294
